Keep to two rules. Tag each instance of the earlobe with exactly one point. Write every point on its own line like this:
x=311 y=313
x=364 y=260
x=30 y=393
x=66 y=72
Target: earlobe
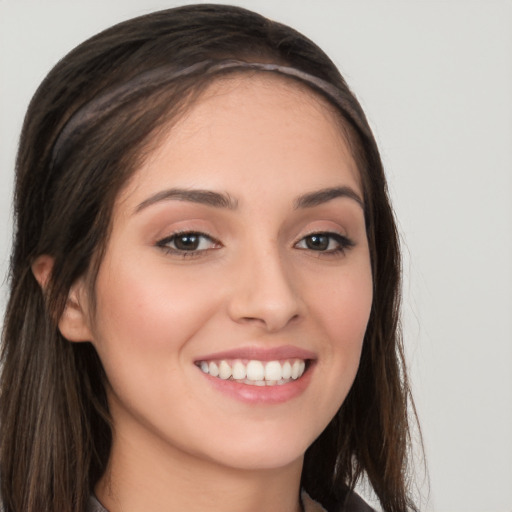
x=74 y=321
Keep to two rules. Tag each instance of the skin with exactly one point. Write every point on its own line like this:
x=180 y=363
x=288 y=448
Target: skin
x=178 y=440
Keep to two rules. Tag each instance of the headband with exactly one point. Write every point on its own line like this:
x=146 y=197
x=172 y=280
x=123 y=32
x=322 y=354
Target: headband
x=108 y=101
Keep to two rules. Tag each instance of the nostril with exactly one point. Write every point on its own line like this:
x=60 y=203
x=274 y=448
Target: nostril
x=271 y=321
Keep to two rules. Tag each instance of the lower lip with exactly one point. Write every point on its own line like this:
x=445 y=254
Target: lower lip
x=248 y=393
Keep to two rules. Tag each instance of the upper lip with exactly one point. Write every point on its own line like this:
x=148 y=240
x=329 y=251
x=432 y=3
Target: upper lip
x=261 y=353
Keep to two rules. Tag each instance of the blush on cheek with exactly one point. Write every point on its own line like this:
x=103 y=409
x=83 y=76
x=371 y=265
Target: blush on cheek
x=347 y=308
x=140 y=307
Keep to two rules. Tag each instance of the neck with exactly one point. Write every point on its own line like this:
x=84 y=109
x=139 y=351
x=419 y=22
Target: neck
x=149 y=476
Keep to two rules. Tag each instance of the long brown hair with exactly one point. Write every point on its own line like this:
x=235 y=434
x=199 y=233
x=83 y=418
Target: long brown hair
x=86 y=131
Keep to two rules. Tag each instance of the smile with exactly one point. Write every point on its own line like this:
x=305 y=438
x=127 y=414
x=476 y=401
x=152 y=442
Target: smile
x=255 y=372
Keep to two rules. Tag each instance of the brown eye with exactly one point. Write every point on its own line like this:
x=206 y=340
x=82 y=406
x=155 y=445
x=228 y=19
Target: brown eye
x=188 y=242
x=330 y=243
x=319 y=242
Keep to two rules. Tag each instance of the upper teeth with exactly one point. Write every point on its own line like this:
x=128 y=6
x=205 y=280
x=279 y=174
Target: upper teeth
x=262 y=373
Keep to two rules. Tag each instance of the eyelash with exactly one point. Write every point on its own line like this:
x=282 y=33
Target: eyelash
x=343 y=243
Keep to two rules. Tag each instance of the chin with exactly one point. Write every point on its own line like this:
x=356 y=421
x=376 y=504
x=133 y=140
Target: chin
x=262 y=449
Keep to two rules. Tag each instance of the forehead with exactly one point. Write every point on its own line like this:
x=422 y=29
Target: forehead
x=274 y=95
x=252 y=120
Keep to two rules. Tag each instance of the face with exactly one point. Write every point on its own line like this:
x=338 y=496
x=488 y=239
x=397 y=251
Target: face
x=234 y=294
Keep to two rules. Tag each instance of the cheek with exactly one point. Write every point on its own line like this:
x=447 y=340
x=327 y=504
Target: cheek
x=342 y=308
x=146 y=317
x=344 y=305
x=145 y=311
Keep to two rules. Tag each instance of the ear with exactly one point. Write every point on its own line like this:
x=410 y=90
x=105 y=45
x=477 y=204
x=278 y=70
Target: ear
x=74 y=321
x=42 y=269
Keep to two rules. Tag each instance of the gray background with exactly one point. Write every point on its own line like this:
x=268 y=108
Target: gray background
x=435 y=78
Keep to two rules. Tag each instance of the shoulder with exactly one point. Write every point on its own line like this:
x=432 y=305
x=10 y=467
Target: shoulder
x=352 y=503
x=93 y=505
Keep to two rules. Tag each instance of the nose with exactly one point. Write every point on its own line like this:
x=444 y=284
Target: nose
x=265 y=292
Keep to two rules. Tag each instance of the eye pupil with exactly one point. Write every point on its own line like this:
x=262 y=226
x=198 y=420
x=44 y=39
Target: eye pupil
x=187 y=242
x=317 y=242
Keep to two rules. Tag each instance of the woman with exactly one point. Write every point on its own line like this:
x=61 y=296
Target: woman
x=204 y=282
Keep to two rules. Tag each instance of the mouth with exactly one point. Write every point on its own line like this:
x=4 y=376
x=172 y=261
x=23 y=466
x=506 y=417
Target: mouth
x=255 y=372
x=259 y=375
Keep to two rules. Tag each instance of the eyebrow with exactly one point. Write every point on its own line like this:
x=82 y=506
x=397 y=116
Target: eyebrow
x=327 y=194
x=224 y=200
x=206 y=197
